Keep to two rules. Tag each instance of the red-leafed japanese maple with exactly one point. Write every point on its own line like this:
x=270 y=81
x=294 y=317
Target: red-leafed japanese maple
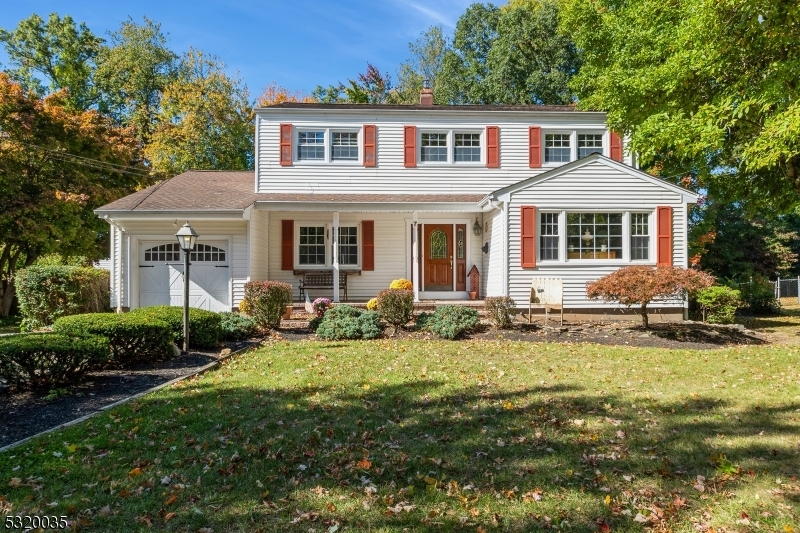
x=642 y=284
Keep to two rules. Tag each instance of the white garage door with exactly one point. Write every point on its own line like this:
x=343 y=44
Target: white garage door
x=161 y=275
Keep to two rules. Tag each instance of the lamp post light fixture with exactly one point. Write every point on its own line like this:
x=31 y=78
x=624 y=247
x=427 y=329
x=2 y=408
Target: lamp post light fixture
x=187 y=237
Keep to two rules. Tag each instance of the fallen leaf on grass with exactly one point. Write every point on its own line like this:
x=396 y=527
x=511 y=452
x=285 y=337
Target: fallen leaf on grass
x=400 y=508
x=15 y=482
x=171 y=500
x=105 y=511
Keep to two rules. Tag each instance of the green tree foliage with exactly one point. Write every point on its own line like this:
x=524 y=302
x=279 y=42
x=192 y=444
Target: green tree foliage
x=425 y=63
x=56 y=165
x=734 y=245
x=509 y=55
x=703 y=85
x=60 y=51
x=132 y=74
x=205 y=121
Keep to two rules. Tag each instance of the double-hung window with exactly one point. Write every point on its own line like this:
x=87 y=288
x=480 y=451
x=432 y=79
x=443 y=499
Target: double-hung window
x=557 y=148
x=589 y=144
x=312 y=246
x=344 y=146
x=640 y=236
x=348 y=245
x=468 y=147
x=434 y=147
x=548 y=242
x=311 y=146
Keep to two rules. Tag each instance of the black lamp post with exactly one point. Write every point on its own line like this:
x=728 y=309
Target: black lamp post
x=186 y=239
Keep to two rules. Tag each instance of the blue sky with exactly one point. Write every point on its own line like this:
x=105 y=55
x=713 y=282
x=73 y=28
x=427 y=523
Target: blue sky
x=298 y=44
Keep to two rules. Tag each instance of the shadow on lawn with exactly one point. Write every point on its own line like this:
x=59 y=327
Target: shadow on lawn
x=415 y=456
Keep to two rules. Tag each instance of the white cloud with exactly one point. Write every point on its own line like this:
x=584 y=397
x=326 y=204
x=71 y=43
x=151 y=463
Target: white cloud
x=445 y=19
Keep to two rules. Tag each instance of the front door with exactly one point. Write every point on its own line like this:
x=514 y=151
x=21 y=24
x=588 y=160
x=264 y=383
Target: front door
x=438 y=259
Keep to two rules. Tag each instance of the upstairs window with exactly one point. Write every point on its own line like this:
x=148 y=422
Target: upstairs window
x=434 y=147
x=589 y=144
x=557 y=148
x=468 y=147
x=344 y=146
x=311 y=146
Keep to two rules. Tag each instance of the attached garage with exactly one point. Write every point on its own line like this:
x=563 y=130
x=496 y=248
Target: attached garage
x=161 y=275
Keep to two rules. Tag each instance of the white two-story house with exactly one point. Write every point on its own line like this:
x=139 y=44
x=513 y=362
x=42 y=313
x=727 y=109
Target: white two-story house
x=373 y=193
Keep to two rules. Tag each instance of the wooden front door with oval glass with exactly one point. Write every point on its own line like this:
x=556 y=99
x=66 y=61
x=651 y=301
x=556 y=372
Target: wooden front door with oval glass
x=438 y=260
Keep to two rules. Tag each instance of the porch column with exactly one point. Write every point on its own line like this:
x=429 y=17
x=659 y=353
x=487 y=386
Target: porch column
x=415 y=277
x=335 y=239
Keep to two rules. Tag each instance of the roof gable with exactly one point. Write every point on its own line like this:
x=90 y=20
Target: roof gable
x=687 y=195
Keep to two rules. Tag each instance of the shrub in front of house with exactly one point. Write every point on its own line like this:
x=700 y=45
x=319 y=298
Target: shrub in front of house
x=132 y=338
x=718 y=304
x=245 y=307
x=268 y=301
x=205 y=327
x=347 y=322
x=48 y=291
x=640 y=285
x=449 y=321
x=234 y=327
x=759 y=296
x=372 y=304
x=396 y=306
x=401 y=284
x=41 y=359
x=500 y=309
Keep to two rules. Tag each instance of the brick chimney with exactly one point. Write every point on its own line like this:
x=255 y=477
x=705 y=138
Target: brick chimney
x=426 y=94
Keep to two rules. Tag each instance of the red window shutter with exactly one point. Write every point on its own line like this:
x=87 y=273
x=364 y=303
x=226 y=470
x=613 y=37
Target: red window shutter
x=370 y=155
x=368 y=245
x=492 y=147
x=615 y=149
x=527 y=217
x=664 y=240
x=287 y=244
x=535 y=146
x=286 y=145
x=410 y=146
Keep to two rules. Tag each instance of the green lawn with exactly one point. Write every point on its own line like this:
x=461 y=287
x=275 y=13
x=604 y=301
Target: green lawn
x=437 y=436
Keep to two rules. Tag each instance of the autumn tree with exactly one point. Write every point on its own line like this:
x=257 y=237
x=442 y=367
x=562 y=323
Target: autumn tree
x=205 y=121
x=700 y=85
x=132 y=74
x=58 y=50
x=642 y=284
x=57 y=164
x=277 y=94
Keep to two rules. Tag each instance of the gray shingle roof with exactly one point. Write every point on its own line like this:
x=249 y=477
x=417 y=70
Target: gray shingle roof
x=227 y=190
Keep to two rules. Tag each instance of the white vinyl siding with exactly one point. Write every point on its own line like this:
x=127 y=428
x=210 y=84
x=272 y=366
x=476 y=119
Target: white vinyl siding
x=390 y=175
x=586 y=189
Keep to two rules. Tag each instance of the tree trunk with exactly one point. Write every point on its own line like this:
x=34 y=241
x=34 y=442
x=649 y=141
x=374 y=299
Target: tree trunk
x=645 y=323
x=7 y=299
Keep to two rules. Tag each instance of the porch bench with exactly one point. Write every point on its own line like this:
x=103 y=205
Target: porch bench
x=323 y=279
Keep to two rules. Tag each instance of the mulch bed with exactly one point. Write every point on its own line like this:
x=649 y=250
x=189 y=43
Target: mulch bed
x=27 y=413
x=683 y=335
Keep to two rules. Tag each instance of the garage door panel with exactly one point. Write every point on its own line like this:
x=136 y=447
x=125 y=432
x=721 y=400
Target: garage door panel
x=209 y=283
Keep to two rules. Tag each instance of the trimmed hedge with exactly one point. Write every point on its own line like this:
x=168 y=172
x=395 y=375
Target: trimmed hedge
x=235 y=326
x=396 y=306
x=42 y=359
x=347 y=322
x=718 y=304
x=132 y=338
x=205 y=327
x=48 y=292
x=449 y=321
x=267 y=300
